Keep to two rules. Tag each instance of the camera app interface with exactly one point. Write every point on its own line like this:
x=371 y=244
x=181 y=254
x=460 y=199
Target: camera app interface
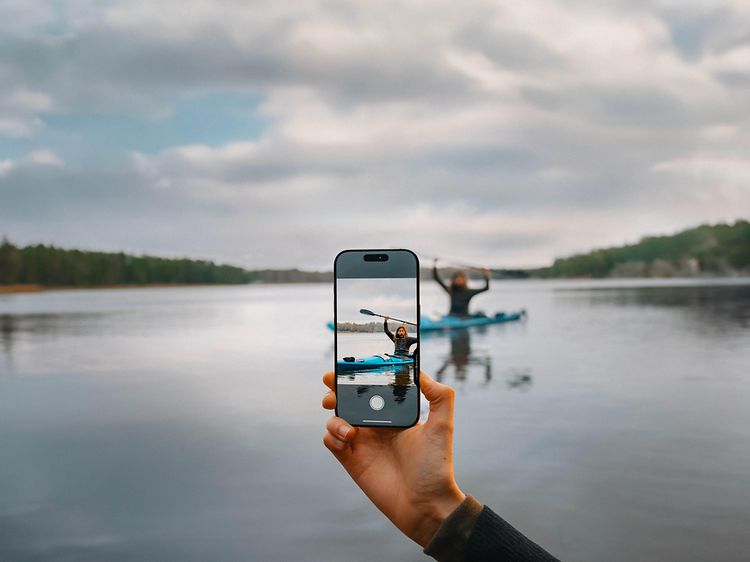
x=377 y=347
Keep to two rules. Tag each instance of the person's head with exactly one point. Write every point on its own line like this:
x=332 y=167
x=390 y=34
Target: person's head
x=459 y=280
x=401 y=332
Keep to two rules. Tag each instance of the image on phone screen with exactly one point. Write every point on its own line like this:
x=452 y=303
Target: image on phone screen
x=377 y=349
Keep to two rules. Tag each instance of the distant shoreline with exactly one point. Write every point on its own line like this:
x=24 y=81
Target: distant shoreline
x=33 y=288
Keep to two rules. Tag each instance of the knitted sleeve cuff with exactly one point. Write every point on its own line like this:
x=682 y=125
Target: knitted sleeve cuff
x=449 y=542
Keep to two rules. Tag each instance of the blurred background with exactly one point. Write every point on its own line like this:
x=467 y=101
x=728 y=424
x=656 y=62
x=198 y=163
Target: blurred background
x=177 y=177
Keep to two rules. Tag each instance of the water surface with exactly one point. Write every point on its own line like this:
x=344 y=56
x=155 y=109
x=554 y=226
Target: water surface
x=184 y=424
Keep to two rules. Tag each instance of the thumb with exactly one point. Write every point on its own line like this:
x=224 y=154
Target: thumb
x=440 y=397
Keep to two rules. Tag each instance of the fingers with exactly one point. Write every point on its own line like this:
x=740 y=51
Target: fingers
x=434 y=391
x=334 y=444
x=329 y=400
x=328 y=379
x=440 y=397
x=339 y=435
x=340 y=429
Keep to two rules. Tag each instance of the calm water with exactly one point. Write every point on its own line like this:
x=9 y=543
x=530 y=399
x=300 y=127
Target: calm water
x=184 y=424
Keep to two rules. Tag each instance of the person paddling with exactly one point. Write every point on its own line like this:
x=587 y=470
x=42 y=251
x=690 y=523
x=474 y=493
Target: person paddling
x=401 y=340
x=459 y=291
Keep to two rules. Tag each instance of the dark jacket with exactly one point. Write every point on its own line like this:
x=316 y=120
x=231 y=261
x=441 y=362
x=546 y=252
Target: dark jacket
x=401 y=345
x=460 y=297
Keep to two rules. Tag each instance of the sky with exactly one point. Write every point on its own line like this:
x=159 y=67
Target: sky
x=391 y=297
x=275 y=134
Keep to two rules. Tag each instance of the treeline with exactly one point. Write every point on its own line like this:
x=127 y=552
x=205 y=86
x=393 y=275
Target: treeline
x=721 y=249
x=356 y=327
x=50 y=266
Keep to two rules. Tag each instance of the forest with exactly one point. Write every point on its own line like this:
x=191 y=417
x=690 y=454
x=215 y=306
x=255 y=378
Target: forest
x=714 y=250
x=49 y=266
x=721 y=249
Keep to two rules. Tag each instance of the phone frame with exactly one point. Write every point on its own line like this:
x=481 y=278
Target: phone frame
x=417 y=360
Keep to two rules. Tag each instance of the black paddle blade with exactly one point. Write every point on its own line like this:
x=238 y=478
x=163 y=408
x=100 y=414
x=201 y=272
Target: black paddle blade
x=365 y=311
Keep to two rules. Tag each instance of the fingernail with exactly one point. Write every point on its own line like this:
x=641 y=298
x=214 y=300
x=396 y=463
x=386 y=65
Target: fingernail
x=344 y=431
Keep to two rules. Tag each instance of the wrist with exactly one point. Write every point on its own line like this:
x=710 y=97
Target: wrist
x=434 y=512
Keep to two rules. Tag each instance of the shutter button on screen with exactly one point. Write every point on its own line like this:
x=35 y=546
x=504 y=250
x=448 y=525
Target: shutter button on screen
x=377 y=402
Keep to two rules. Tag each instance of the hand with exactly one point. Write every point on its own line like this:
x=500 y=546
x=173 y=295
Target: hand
x=406 y=473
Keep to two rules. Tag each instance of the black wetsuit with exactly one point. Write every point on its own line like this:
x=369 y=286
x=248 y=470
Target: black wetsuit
x=402 y=344
x=460 y=297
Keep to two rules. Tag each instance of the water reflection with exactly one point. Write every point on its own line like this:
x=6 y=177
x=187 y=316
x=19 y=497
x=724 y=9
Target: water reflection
x=7 y=333
x=400 y=385
x=162 y=430
x=519 y=379
x=461 y=358
x=721 y=306
x=46 y=325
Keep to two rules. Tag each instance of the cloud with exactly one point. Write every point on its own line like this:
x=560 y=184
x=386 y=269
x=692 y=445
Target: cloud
x=19 y=112
x=45 y=157
x=40 y=157
x=505 y=134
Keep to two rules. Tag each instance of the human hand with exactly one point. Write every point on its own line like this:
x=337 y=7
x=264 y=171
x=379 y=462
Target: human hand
x=406 y=473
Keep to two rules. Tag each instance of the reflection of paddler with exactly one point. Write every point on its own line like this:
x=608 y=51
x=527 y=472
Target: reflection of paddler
x=461 y=357
x=459 y=291
x=402 y=382
x=401 y=340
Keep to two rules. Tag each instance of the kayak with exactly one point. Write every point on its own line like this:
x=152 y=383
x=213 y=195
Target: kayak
x=374 y=362
x=458 y=322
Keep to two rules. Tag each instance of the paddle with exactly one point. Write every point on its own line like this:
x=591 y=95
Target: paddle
x=371 y=313
x=459 y=264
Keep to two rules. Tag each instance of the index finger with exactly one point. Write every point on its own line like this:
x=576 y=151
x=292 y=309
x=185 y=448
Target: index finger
x=328 y=380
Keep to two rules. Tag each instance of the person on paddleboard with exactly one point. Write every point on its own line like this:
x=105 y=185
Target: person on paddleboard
x=401 y=340
x=459 y=291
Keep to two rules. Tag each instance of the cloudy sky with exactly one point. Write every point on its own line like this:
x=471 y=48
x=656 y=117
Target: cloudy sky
x=270 y=133
x=395 y=297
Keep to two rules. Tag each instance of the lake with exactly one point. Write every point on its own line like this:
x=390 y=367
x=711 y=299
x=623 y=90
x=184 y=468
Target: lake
x=185 y=424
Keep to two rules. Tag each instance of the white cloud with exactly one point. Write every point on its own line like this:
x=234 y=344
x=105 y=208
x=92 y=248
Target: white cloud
x=45 y=157
x=5 y=167
x=31 y=101
x=710 y=168
x=39 y=157
x=19 y=112
x=17 y=128
x=501 y=132
x=735 y=61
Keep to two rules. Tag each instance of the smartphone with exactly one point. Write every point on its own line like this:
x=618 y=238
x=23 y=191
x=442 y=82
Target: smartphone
x=376 y=334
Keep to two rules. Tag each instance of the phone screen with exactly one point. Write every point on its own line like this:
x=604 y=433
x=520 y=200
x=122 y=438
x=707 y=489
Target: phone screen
x=377 y=337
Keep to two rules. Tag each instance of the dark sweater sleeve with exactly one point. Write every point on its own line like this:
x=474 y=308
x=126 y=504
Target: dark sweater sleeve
x=411 y=342
x=485 y=288
x=440 y=281
x=476 y=533
x=386 y=330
